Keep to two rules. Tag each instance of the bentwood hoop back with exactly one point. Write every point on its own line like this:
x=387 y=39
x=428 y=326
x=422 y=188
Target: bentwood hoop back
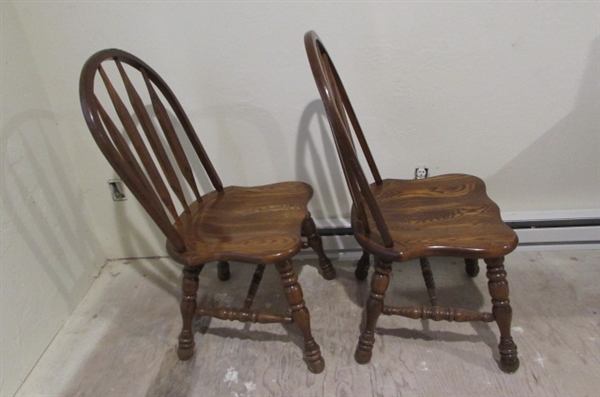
x=398 y=220
x=144 y=133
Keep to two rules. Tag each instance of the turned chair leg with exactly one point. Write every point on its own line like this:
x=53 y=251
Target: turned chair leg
x=300 y=316
x=189 y=287
x=471 y=267
x=362 y=266
x=379 y=284
x=429 y=281
x=498 y=287
x=309 y=229
x=223 y=271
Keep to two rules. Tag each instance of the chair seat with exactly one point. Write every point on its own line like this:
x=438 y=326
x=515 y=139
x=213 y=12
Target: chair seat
x=443 y=215
x=257 y=225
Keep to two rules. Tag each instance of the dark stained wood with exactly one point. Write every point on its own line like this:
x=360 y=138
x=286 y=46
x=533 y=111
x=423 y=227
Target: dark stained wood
x=189 y=304
x=471 y=267
x=300 y=315
x=228 y=313
x=498 y=286
x=429 y=281
x=442 y=215
x=223 y=271
x=256 y=279
x=437 y=313
x=362 y=266
x=399 y=220
x=143 y=132
x=309 y=230
x=379 y=285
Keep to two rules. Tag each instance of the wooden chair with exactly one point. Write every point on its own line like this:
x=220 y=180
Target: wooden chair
x=399 y=220
x=141 y=134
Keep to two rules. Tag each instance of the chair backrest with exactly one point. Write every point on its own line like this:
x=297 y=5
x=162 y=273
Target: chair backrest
x=344 y=126
x=146 y=158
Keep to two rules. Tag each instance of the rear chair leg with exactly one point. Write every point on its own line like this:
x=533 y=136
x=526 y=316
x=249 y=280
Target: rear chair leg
x=362 y=266
x=498 y=287
x=223 y=271
x=300 y=316
x=471 y=267
x=189 y=287
x=314 y=241
x=429 y=281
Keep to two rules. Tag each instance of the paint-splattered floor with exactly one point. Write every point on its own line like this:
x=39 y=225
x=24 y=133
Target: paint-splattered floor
x=121 y=339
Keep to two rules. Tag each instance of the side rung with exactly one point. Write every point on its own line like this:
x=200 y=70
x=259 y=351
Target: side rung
x=226 y=313
x=437 y=313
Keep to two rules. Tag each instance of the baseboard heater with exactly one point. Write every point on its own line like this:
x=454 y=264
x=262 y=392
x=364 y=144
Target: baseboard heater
x=544 y=230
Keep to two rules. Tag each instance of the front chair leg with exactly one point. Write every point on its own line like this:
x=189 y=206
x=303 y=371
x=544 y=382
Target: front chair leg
x=189 y=287
x=309 y=229
x=379 y=284
x=498 y=287
x=300 y=316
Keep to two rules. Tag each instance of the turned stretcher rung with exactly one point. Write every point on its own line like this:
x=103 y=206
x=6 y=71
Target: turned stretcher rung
x=437 y=313
x=226 y=313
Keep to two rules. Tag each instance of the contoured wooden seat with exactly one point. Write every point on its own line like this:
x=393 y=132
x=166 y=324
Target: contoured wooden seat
x=142 y=130
x=399 y=220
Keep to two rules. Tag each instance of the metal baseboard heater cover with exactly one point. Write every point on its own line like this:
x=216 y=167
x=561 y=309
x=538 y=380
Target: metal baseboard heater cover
x=579 y=229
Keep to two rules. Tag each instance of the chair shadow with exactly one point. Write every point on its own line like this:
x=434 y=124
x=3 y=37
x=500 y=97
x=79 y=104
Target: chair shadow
x=52 y=227
x=315 y=151
x=564 y=157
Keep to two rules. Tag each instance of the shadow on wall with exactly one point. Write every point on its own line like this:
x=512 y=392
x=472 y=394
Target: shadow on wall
x=561 y=170
x=44 y=206
x=331 y=200
x=235 y=125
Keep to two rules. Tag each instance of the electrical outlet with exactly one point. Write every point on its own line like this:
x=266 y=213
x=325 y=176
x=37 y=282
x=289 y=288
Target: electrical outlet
x=116 y=190
x=421 y=172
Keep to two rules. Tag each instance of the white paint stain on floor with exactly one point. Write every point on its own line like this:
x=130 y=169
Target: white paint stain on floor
x=423 y=366
x=231 y=376
x=540 y=359
x=250 y=386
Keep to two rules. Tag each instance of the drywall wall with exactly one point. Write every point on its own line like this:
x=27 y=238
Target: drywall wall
x=49 y=253
x=504 y=90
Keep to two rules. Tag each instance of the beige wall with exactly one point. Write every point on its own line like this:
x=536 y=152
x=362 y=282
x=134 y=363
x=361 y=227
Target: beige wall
x=50 y=252
x=506 y=90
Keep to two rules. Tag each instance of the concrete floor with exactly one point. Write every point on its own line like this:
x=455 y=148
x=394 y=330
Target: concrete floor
x=121 y=339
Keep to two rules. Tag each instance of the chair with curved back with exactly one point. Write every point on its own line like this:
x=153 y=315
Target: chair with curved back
x=148 y=139
x=399 y=220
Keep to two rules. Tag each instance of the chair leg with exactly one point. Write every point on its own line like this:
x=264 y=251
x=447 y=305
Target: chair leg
x=189 y=287
x=498 y=287
x=300 y=316
x=362 y=266
x=223 y=271
x=256 y=279
x=309 y=229
x=471 y=267
x=379 y=284
x=429 y=281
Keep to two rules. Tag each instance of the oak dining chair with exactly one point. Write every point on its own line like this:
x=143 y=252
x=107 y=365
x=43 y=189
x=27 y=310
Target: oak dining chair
x=398 y=220
x=144 y=133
